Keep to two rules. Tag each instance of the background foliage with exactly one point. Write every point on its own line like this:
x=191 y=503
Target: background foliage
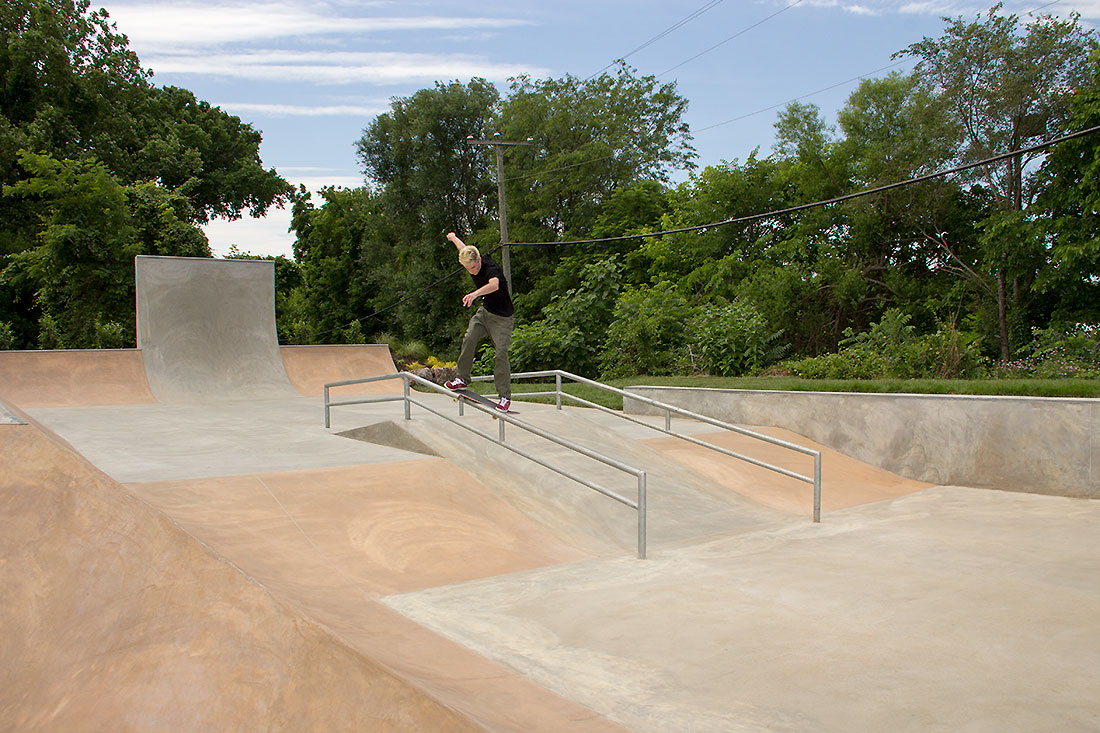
x=630 y=259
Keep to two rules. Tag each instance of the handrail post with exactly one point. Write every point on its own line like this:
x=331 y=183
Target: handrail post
x=557 y=388
x=641 y=516
x=817 y=486
x=500 y=430
x=408 y=405
x=668 y=420
x=327 y=421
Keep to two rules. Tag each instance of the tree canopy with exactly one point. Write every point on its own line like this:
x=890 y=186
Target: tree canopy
x=82 y=126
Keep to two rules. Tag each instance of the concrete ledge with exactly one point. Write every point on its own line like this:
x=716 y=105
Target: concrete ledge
x=1044 y=445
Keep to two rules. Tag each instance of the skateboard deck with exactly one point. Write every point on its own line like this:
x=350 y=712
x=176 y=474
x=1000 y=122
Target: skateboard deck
x=475 y=397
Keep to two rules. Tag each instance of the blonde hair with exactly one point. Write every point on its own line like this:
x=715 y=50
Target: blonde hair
x=468 y=254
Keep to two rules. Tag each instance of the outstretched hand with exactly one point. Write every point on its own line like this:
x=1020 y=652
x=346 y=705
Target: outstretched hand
x=468 y=299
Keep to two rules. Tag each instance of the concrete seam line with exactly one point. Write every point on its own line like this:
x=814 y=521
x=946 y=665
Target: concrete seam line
x=310 y=540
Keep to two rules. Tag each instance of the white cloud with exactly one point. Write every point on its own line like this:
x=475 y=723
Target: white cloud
x=291 y=110
x=265 y=236
x=190 y=25
x=335 y=67
x=270 y=234
x=1087 y=8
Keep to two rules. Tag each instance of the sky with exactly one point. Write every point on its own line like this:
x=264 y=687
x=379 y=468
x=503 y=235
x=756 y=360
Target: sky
x=311 y=75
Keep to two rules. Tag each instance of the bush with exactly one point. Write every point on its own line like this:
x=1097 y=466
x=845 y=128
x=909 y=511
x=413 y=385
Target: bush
x=733 y=339
x=1056 y=352
x=110 y=335
x=7 y=336
x=572 y=325
x=486 y=356
x=891 y=349
x=648 y=334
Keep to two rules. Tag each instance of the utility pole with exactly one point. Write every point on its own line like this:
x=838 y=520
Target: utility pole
x=502 y=209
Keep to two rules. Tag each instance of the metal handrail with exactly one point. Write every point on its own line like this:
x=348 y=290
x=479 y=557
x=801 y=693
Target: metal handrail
x=558 y=374
x=638 y=505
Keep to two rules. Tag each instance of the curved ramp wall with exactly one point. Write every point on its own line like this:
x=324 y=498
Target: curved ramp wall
x=206 y=328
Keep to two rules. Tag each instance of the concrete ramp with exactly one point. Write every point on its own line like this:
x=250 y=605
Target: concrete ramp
x=206 y=329
x=845 y=482
x=114 y=618
x=311 y=367
x=71 y=378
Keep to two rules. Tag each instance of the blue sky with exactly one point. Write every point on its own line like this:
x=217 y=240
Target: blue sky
x=312 y=75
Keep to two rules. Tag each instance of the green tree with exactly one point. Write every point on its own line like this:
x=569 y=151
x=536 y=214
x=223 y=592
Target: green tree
x=1070 y=198
x=70 y=86
x=591 y=138
x=648 y=333
x=79 y=277
x=570 y=331
x=711 y=262
x=1004 y=87
x=418 y=155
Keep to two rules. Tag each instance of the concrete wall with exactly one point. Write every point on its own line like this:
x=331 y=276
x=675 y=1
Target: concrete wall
x=1034 y=444
x=206 y=329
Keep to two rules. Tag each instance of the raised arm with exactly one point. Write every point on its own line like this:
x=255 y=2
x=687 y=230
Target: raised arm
x=458 y=243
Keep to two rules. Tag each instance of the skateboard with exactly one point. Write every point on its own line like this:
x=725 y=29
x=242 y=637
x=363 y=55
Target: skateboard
x=475 y=397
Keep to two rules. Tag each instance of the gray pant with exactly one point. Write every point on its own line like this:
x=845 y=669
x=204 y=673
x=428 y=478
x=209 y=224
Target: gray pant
x=497 y=328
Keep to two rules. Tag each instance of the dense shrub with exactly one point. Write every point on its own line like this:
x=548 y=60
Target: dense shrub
x=571 y=327
x=892 y=349
x=648 y=334
x=1056 y=352
x=7 y=336
x=732 y=339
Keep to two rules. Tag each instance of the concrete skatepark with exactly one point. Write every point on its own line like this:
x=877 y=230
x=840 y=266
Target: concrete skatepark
x=186 y=547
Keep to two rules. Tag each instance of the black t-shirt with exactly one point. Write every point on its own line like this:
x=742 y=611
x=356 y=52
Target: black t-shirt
x=499 y=302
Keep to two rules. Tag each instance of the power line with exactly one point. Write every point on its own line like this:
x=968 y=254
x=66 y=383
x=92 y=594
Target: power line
x=804 y=96
x=398 y=302
x=660 y=35
x=1041 y=7
x=562 y=168
x=827 y=202
x=735 y=35
x=742 y=219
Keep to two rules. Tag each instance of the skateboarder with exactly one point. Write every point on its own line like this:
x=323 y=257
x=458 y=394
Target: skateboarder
x=493 y=318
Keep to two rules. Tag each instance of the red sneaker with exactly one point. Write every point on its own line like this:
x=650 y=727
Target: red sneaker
x=504 y=404
x=455 y=384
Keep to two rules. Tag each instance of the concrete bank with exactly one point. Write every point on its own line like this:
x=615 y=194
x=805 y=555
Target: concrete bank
x=1041 y=445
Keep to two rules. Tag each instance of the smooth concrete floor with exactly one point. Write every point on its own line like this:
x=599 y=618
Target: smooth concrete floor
x=952 y=609
x=945 y=609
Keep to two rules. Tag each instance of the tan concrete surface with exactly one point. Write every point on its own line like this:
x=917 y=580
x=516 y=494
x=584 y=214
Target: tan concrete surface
x=310 y=367
x=328 y=542
x=70 y=378
x=845 y=481
x=113 y=618
x=389 y=527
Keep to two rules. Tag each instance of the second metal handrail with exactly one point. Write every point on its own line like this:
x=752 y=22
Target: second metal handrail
x=558 y=394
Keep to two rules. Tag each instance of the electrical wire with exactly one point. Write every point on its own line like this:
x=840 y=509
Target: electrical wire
x=826 y=202
x=804 y=96
x=660 y=35
x=555 y=170
x=396 y=303
x=743 y=219
x=735 y=35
